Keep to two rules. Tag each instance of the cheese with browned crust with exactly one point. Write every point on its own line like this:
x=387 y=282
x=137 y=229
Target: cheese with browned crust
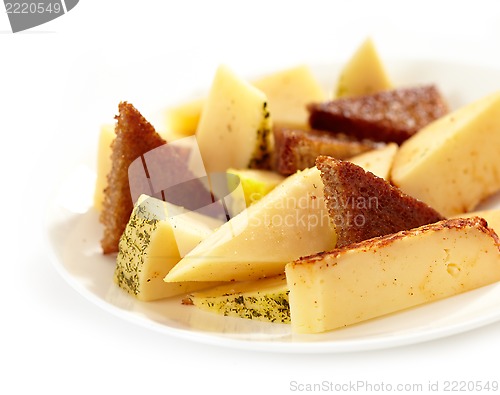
x=391 y=273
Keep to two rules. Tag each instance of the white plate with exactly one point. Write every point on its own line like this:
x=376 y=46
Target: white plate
x=74 y=233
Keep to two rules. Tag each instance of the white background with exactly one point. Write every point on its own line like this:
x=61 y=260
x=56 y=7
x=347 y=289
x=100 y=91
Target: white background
x=52 y=339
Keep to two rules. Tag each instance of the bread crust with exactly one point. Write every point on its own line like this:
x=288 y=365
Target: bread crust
x=297 y=149
x=363 y=206
x=134 y=137
x=388 y=116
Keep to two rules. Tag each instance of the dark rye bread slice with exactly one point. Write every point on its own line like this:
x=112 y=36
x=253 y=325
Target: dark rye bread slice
x=389 y=116
x=364 y=206
x=134 y=137
x=296 y=149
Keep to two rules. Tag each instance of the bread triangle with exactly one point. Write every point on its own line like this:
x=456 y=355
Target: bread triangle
x=364 y=206
x=134 y=137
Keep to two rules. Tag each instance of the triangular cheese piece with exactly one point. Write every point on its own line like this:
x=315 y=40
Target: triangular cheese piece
x=288 y=92
x=364 y=73
x=378 y=161
x=289 y=222
x=235 y=126
x=363 y=205
x=452 y=164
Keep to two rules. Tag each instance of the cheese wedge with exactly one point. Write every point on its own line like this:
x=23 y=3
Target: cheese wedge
x=261 y=300
x=106 y=136
x=289 y=222
x=256 y=183
x=183 y=119
x=364 y=73
x=391 y=273
x=288 y=92
x=152 y=244
x=235 y=125
x=452 y=164
x=491 y=216
x=377 y=161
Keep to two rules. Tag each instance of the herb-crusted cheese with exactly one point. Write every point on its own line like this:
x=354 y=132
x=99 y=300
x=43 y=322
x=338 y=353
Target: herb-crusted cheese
x=148 y=249
x=263 y=146
x=262 y=300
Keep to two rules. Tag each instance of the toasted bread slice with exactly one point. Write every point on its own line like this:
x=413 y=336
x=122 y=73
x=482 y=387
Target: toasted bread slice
x=363 y=205
x=297 y=149
x=134 y=137
x=389 y=116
